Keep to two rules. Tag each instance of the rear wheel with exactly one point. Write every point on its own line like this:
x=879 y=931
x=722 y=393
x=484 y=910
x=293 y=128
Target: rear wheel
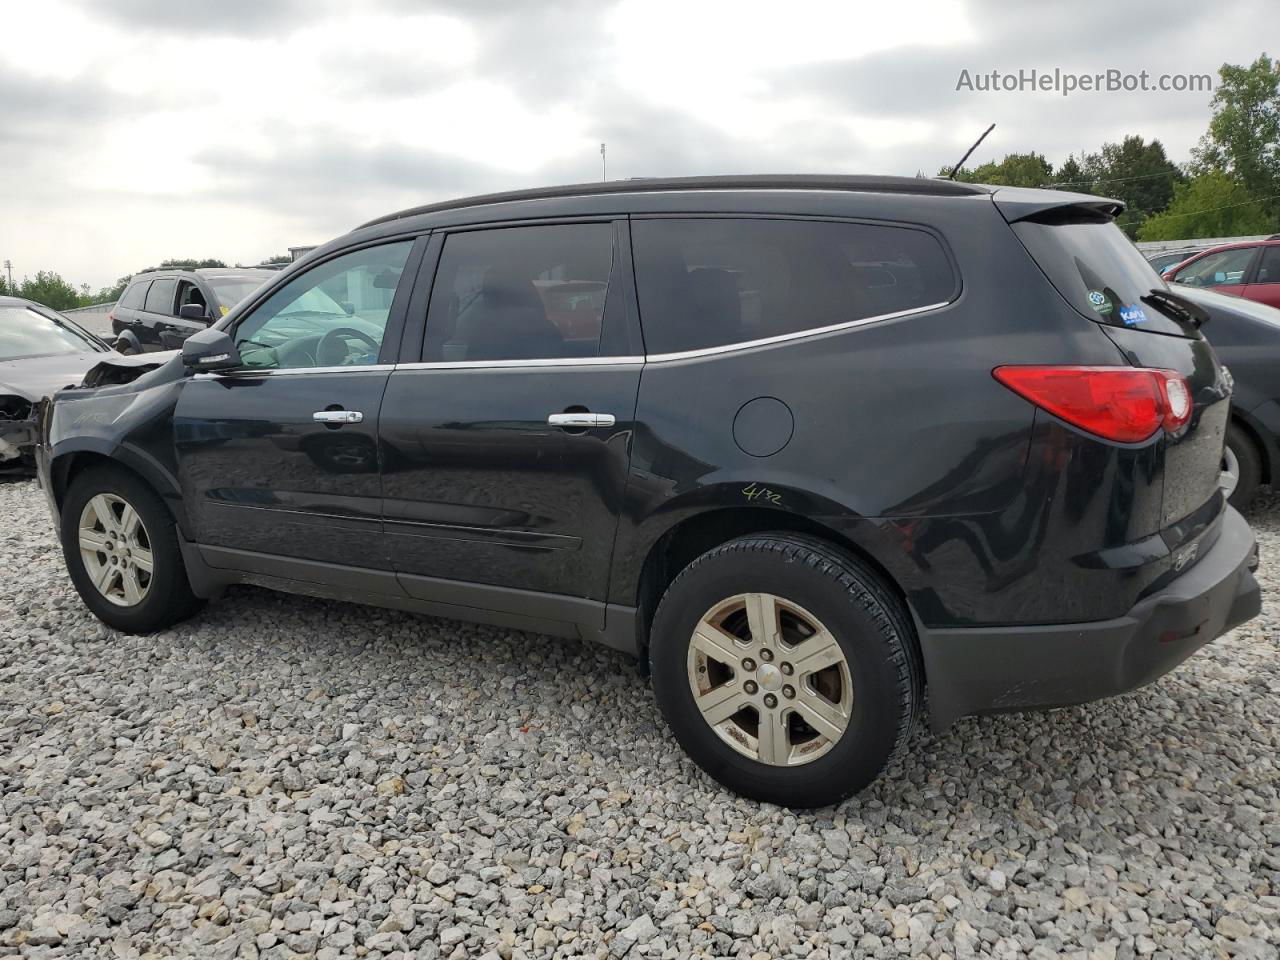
x=1241 y=468
x=785 y=669
x=121 y=549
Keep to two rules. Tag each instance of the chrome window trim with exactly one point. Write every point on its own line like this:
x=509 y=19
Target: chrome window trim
x=538 y=362
x=584 y=361
x=241 y=372
x=787 y=337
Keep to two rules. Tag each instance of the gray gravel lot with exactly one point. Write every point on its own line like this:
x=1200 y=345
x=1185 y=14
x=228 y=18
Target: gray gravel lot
x=284 y=776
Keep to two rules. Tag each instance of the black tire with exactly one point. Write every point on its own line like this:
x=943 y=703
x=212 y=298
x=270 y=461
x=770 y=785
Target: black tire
x=1249 y=463
x=867 y=620
x=168 y=598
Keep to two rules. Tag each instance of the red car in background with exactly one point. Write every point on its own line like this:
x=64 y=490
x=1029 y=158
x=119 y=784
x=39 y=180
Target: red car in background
x=1249 y=269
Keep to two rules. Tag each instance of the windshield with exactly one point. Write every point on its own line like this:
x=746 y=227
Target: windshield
x=25 y=332
x=231 y=290
x=1100 y=273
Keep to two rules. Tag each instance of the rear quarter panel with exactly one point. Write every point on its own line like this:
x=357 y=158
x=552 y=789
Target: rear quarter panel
x=903 y=442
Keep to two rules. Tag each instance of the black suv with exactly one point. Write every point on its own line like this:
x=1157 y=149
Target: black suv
x=812 y=448
x=161 y=308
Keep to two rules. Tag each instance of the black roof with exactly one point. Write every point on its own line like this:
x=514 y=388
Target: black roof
x=917 y=185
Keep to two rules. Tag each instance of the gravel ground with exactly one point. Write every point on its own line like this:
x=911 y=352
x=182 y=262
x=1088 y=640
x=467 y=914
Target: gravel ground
x=284 y=776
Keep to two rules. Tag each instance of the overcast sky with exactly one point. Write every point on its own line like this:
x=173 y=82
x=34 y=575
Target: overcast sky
x=134 y=130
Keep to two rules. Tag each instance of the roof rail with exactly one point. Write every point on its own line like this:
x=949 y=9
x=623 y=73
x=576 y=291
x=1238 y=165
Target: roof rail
x=918 y=185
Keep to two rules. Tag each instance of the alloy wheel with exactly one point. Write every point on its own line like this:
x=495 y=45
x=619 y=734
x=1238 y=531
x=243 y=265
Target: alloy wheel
x=770 y=679
x=1230 y=475
x=116 y=549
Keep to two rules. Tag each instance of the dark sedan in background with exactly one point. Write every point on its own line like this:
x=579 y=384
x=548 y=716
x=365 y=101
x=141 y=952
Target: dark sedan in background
x=41 y=351
x=1246 y=336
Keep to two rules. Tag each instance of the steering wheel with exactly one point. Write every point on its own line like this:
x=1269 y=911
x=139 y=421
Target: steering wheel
x=327 y=354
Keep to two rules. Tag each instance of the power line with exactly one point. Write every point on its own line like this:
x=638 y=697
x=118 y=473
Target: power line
x=1194 y=213
x=1145 y=176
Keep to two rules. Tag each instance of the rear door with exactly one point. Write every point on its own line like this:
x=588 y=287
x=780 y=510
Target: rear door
x=280 y=457
x=1265 y=286
x=157 y=312
x=507 y=438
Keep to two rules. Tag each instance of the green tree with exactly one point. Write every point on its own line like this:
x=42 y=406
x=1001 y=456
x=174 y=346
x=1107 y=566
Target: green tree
x=1244 y=132
x=1137 y=172
x=279 y=258
x=113 y=293
x=185 y=265
x=1071 y=176
x=1015 y=170
x=50 y=289
x=1213 y=204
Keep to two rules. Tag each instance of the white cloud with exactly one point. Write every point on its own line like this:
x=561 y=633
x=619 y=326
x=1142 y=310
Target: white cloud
x=134 y=130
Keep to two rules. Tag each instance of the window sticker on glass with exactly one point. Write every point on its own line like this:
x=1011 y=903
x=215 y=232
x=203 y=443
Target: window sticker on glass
x=1100 y=302
x=1132 y=316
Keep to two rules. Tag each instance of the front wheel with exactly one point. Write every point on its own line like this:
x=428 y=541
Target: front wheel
x=785 y=668
x=121 y=549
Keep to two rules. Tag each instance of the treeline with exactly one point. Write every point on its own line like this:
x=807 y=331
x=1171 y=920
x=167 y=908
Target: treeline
x=1230 y=187
x=53 y=291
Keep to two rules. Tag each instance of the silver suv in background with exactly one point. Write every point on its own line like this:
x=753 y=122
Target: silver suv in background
x=161 y=308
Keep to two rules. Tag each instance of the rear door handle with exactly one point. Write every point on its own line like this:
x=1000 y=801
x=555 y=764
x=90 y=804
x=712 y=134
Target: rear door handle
x=337 y=416
x=581 y=420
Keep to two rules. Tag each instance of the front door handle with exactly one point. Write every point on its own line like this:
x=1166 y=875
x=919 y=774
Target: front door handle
x=337 y=416
x=581 y=420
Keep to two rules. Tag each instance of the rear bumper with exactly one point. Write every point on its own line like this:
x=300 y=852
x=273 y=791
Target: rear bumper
x=992 y=669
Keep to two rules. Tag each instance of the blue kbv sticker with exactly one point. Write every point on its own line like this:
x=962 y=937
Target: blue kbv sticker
x=1132 y=316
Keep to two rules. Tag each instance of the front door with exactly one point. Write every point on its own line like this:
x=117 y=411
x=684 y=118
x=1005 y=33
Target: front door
x=281 y=456
x=507 y=444
x=1225 y=271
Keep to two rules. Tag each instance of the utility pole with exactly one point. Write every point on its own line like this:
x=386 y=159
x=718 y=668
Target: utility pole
x=8 y=265
x=604 y=164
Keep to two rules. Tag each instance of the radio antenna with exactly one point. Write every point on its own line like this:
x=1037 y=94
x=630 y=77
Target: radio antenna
x=976 y=143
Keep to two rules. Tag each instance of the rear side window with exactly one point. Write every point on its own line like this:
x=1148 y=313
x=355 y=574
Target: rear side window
x=1269 y=267
x=136 y=294
x=521 y=293
x=714 y=282
x=1100 y=272
x=160 y=296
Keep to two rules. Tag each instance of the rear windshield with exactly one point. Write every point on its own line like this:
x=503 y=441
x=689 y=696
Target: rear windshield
x=231 y=290
x=1100 y=272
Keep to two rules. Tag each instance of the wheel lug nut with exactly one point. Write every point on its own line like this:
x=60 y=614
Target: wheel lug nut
x=749 y=686
x=789 y=692
x=748 y=664
x=770 y=700
x=766 y=655
x=787 y=668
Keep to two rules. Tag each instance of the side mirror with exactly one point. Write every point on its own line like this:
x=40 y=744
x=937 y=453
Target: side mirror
x=193 y=311
x=210 y=350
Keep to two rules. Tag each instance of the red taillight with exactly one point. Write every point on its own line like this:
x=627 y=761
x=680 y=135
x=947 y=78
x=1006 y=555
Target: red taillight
x=1125 y=404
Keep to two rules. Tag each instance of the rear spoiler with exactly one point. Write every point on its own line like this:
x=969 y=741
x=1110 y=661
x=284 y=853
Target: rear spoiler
x=1053 y=206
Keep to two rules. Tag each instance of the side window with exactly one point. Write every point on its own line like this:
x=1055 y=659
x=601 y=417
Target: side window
x=160 y=297
x=714 y=282
x=189 y=294
x=521 y=293
x=135 y=296
x=333 y=315
x=1216 y=269
x=1269 y=268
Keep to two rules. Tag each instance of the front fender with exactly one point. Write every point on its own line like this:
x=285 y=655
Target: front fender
x=134 y=430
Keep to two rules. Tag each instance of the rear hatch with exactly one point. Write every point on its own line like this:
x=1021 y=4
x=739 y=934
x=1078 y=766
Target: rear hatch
x=1105 y=279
